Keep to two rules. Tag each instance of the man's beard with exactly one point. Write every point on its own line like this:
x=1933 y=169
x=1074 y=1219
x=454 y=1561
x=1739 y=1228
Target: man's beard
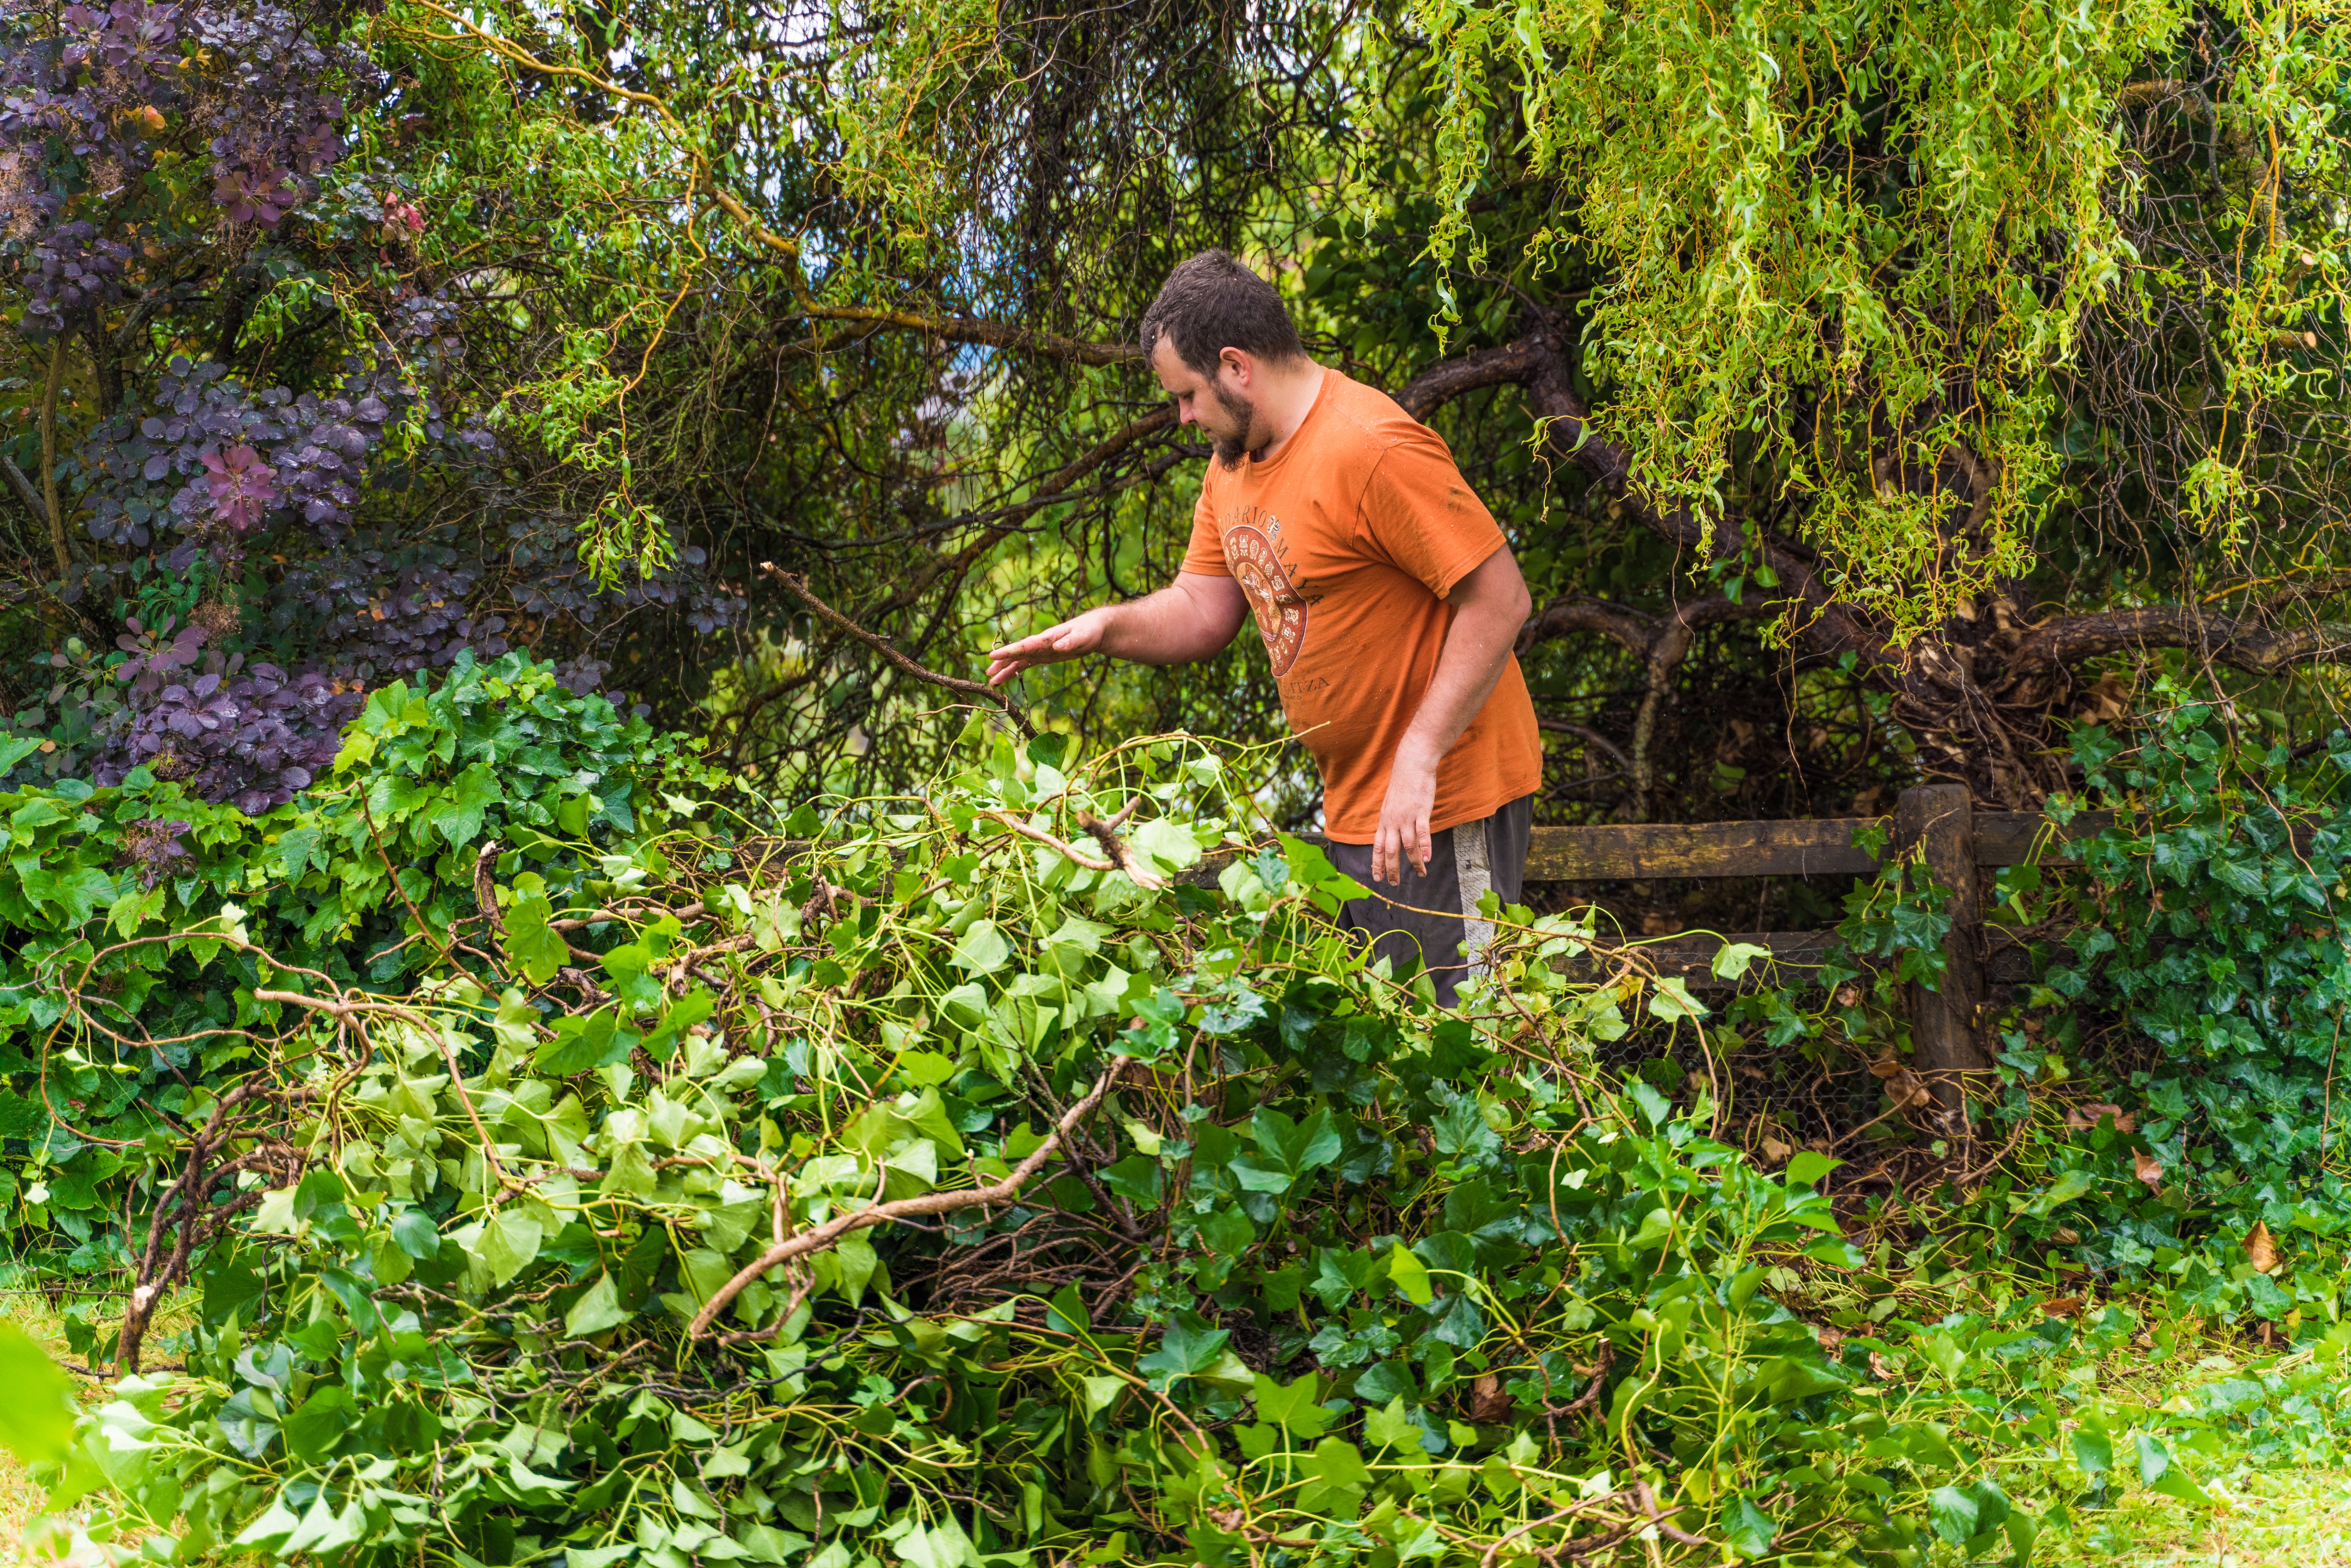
x=1231 y=449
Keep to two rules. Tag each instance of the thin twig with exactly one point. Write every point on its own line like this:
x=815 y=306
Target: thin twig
x=844 y=625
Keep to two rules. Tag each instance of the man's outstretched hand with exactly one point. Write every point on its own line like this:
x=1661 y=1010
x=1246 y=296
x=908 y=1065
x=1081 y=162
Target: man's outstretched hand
x=1404 y=823
x=1072 y=639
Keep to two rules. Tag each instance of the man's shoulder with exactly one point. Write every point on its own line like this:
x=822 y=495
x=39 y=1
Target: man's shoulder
x=1366 y=416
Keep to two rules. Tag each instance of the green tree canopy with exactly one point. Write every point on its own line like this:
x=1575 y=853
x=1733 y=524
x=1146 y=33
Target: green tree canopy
x=1911 y=376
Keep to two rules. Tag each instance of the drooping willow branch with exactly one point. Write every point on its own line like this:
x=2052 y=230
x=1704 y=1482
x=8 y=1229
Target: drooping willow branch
x=929 y=1203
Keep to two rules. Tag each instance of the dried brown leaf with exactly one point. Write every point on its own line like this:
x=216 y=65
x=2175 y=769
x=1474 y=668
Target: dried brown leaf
x=1907 y=1089
x=2148 y=1169
x=2060 y=1307
x=1489 y=1402
x=2084 y=1116
x=2261 y=1250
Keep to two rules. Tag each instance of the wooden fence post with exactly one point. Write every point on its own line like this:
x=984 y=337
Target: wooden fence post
x=1940 y=819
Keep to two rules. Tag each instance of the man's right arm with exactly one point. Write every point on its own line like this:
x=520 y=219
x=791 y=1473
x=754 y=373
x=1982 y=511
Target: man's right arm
x=1191 y=619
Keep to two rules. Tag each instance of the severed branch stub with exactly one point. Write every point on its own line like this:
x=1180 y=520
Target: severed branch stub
x=841 y=1225
x=800 y=590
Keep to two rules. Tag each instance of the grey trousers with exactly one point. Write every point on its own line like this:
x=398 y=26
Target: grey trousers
x=1431 y=919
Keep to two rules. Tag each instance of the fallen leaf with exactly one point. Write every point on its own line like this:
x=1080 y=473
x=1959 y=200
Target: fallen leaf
x=2081 y=1117
x=1908 y=1089
x=1775 y=1152
x=1880 y=1367
x=2260 y=1251
x=1489 y=1402
x=2060 y=1307
x=1848 y=997
x=2066 y=1235
x=1885 y=1067
x=2148 y=1169
x=1830 y=1339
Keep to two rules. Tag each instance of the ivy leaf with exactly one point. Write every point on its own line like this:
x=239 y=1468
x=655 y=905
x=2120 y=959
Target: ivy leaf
x=508 y=1244
x=250 y=1426
x=413 y=1232
x=1654 y=1106
x=1748 y=1529
x=275 y=1524
x=1808 y=1165
x=1189 y=1348
x=1286 y=1150
x=458 y=816
x=1168 y=843
x=1952 y=1513
x=313 y=1431
x=1293 y=1406
x=1732 y=960
x=598 y=1310
x=36 y=1404
x=983 y=949
x=2093 y=1450
x=1134 y=1179
x=1460 y=1128
x=537 y=951
x=1410 y=1276
x=1672 y=1000
x=2068 y=1187
x=1391 y=1426
x=582 y=1044
x=1336 y=1479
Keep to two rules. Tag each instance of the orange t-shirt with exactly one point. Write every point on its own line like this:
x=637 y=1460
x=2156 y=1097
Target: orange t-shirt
x=1347 y=542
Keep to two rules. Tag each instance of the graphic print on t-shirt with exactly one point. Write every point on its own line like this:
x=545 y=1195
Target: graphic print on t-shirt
x=1280 y=607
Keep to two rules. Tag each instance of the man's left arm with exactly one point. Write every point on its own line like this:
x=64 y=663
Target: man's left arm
x=1490 y=607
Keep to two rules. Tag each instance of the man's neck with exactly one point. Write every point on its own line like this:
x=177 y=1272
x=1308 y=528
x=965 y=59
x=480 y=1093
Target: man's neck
x=1288 y=397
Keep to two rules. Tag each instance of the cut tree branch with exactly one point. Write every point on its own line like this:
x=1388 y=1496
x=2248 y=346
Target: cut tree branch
x=929 y=1203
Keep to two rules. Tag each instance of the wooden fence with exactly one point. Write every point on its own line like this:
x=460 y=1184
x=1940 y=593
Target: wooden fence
x=1957 y=840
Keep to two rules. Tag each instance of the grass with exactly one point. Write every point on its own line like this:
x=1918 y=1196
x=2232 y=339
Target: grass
x=2283 y=1517
x=2297 y=1518
x=20 y=1500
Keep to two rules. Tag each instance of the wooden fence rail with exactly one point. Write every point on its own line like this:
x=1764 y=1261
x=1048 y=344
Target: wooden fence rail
x=1946 y=1026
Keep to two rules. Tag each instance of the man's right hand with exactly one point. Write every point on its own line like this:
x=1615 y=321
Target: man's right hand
x=1072 y=639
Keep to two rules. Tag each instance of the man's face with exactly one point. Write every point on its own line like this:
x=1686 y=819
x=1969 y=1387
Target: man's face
x=1219 y=405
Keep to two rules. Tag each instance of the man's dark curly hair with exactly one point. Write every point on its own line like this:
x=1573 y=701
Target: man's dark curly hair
x=1212 y=303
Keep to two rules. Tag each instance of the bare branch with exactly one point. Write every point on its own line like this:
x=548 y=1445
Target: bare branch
x=970 y=329
x=929 y=1203
x=2067 y=640
x=899 y=661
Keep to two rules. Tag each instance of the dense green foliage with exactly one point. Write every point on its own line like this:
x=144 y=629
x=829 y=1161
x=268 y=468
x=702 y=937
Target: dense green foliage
x=1947 y=321
x=1294 y=1263
x=96 y=874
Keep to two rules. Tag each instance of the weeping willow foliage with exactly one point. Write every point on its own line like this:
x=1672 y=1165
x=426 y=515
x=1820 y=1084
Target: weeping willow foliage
x=1868 y=242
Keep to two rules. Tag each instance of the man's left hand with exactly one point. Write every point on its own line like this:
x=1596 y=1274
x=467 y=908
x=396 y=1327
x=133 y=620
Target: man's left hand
x=1404 y=823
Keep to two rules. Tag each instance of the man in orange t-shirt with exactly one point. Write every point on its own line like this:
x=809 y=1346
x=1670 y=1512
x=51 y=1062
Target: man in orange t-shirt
x=1387 y=599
